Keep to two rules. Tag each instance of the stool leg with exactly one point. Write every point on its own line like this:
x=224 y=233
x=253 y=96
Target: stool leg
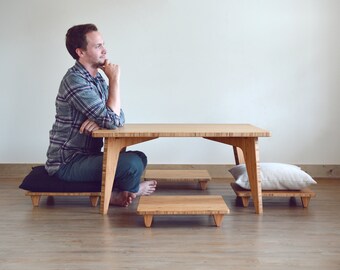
x=35 y=200
x=218 y=219
x=148 y=220
x=203 y=185
x=94 y=200
x=50 y=200
x=245 y=201
x=305 y=201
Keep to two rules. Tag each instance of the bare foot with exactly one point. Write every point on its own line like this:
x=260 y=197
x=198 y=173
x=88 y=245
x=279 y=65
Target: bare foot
x=122 y=198
x=146 y=188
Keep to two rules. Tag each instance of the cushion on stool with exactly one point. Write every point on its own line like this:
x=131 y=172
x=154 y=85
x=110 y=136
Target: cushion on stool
x=38 y=180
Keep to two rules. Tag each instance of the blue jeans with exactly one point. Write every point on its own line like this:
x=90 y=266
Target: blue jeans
x=88 y=168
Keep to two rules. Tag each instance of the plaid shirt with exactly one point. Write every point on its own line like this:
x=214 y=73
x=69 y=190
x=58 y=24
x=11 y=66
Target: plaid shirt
x=80 y=97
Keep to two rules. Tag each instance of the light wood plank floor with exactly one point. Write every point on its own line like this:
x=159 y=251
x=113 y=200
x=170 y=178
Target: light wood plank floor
x=72 y=235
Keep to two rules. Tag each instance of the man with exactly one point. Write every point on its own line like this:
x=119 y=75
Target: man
x=84 y=104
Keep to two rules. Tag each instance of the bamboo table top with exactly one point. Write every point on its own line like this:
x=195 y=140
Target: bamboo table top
x=183 y=130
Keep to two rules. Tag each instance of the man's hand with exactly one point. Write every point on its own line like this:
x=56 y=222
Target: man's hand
x=112 y=71
x=88 y=127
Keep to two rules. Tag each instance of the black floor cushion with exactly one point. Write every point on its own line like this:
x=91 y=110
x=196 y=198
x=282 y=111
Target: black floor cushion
x=38 y=180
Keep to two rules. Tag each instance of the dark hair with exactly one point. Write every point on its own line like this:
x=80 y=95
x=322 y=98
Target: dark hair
x=76 y=38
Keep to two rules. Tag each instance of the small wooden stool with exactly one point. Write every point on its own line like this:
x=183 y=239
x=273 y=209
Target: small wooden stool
x=182 y=205
x=201 y=176
x=305 y=194
x=36 y=196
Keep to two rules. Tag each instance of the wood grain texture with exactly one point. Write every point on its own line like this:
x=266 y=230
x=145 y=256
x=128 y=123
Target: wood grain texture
x=182 y=205
x=150 y=206
x=36 y=196
x=275 y=193
x=177 y=175
x=200 y=176
x=184 y=130
x=72 y=235
x=243 y=136
x=305 y=194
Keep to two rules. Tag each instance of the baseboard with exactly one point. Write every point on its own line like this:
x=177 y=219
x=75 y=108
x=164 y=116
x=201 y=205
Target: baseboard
x=11 y=171
x=15 y=170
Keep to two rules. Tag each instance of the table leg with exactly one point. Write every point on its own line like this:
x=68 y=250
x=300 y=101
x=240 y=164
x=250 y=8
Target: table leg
x=110 y=159
x=238 y=155
x=249 y=147
x=251 y=158
x=112 y=148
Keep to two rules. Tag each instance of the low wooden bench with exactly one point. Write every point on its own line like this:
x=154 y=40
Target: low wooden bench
x=305 y=194
x=200 y=176
x=182 y=205
x=36 y=196
x=38 y=183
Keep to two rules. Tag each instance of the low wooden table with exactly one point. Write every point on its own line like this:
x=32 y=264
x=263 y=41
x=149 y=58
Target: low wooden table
x=243 y=138
x=200 y=176
x=150 y=206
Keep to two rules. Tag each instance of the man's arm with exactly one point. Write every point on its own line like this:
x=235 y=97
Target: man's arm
x=112 y=72
x=88 y=127
x=79 y=92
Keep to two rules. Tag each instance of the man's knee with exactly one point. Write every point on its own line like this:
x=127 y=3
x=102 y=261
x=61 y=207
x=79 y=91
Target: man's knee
x=137 y=163
x=132 y=163
x=143 y=157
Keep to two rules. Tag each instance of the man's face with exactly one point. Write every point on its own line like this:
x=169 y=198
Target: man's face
x=95 y=53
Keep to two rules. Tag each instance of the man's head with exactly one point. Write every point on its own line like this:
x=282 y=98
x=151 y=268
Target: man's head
x=76 y=38
x=86 y=45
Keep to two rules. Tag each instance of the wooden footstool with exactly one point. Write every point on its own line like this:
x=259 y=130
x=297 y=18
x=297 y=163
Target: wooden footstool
x=35 y=196
x=305 y=194
x=200 y=176
x=182 y=205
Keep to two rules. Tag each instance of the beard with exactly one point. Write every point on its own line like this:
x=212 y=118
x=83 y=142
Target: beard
x=99 y=64
x=102 y=61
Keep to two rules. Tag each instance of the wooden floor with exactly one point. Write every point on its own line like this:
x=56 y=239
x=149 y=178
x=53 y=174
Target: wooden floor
x=72 y=235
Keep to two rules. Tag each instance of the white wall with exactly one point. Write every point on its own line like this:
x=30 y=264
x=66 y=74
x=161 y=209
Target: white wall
x=272 y=63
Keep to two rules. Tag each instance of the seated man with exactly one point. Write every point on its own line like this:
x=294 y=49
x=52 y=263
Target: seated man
x=86 y=103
